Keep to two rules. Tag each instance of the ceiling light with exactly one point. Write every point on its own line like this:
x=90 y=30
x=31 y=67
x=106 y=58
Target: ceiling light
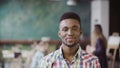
x=71 y=3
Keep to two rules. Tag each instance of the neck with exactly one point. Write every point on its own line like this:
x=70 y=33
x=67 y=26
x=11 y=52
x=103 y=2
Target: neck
x=69 y=52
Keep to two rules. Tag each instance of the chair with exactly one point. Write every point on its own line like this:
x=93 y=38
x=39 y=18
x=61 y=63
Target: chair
x=113 y=43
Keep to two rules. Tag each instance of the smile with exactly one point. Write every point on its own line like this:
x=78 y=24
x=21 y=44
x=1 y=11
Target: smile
x=70 y=39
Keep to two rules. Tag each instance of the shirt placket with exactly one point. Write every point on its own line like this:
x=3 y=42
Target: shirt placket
x=70 y=65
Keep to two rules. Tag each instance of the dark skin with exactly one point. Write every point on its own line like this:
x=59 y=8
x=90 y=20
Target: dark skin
x=69 y=32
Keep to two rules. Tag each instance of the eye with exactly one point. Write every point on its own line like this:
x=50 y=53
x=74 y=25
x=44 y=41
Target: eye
x=65 y=29
x=75 y=28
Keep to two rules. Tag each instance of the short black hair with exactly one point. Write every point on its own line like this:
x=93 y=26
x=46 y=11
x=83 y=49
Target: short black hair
x=70 y=15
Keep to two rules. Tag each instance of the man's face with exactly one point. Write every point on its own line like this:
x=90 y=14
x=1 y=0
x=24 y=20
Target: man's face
x=69 y=32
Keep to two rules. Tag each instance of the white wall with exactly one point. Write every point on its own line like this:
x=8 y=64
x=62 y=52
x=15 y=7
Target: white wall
x=100 y=15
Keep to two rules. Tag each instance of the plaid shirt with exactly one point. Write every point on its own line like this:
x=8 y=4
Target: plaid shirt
x=81 y=60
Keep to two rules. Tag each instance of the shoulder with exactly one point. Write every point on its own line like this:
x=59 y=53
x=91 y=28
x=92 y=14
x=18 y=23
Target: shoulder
x=49 y=59
x=99 y=39
x=88 y=57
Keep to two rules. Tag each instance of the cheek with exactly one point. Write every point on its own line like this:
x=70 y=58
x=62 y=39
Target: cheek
x=77 y=33
x=61 y=34
x=78 y=36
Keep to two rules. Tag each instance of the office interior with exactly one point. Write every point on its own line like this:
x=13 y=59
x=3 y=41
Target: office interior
x=23 y=22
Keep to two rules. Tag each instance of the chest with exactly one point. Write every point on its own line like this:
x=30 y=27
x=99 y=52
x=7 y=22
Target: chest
x=75 y=64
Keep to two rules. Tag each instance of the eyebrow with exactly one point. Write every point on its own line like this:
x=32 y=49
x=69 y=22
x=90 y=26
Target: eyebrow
x=75 y=26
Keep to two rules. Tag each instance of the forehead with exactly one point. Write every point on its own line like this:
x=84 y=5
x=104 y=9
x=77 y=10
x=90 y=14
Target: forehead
x=69 y=23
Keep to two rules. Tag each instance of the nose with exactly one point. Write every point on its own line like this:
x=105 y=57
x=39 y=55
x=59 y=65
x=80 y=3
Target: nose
x=70 y=32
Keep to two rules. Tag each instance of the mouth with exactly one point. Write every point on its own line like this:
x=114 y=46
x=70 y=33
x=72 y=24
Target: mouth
x=70 y=39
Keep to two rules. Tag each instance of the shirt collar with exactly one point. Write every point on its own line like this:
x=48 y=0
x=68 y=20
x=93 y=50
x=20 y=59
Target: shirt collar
x=77 y=55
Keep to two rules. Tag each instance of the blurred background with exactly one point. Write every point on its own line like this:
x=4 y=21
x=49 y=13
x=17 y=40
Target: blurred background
x=23 y=22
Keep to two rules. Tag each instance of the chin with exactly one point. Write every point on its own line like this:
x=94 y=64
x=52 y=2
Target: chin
x=70 y=44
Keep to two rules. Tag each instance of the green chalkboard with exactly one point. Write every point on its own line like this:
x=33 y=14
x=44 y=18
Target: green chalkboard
x=32 y=19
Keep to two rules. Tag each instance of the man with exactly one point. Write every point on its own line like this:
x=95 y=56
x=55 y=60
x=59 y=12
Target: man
x=70 y=54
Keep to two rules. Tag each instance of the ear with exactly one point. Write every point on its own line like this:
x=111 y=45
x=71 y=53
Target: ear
x=59 y=34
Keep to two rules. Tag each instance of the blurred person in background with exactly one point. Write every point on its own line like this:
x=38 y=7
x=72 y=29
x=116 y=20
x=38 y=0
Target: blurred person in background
x=99 y=45
x=70 y=54
x=2 y=61
x=39 y=50
x=30 y=55
x=17 y=59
